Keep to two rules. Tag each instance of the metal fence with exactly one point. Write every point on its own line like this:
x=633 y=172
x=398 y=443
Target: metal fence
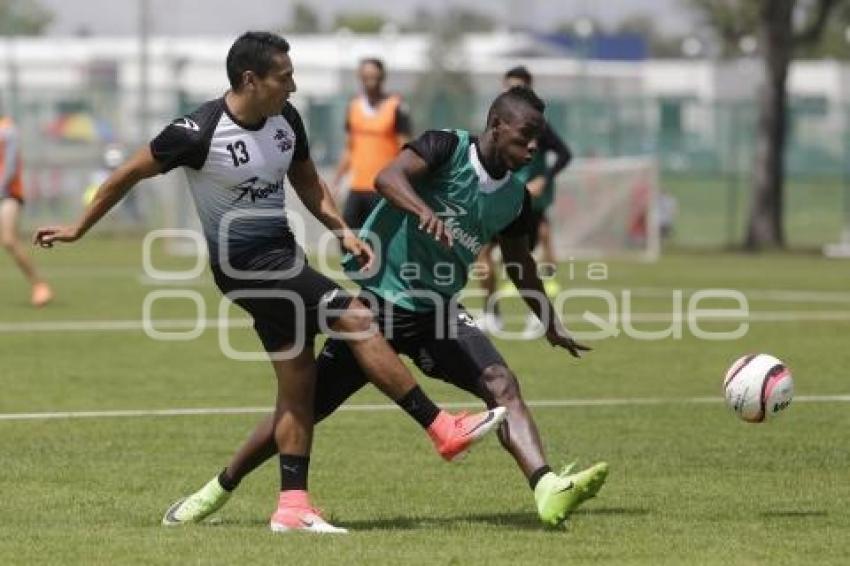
x=705 y=150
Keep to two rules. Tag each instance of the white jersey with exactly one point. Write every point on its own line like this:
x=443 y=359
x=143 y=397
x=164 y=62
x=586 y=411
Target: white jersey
x=236 y=173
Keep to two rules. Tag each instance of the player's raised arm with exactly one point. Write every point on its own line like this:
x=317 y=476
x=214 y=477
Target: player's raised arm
x=140 y=166
x=314 y=193
x=316 y=196
x=394 y=184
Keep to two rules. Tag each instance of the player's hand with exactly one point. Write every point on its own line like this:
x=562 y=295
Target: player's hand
x=359 y=249
x=432 y=225
x=558 y=336
x=49 y=235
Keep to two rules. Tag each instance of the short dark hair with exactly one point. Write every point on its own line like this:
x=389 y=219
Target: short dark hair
x=374 y=61
x=519 y=72
x=253 y=51
x=506 y=104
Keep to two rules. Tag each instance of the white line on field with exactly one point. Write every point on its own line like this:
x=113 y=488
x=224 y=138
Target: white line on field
x=778 y=295
x=117 y=325
x=214 y=323
x=545 y=403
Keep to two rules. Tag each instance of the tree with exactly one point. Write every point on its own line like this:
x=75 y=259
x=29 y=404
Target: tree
x=660 y=44
x=780 y=27
x=23 y=17
x=360 y=22
x=304 y=19
x=444 y=95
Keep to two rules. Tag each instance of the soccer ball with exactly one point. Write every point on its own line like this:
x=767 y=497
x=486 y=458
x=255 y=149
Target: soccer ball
x=758 y=387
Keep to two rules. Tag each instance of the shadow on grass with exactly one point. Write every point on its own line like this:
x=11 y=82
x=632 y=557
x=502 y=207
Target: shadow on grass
x=518 y=520
x=523 y=520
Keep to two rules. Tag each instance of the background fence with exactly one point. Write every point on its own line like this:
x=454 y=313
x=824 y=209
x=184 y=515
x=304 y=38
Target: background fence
x=705 y=151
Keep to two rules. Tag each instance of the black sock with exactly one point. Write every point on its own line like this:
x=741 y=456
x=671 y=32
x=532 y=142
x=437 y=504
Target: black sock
x=419 y=406
x=537 y=474
x=293 y=472
x=226 y=482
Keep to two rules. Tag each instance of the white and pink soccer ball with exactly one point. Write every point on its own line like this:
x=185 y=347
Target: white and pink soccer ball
x=758 y=387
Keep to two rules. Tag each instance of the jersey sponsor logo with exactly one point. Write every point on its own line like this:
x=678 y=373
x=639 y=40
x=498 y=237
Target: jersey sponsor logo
x=450 y=210
x=284 y=140
x=450 y=213
x=464 y=238
x=255 y=189
x=187 y=123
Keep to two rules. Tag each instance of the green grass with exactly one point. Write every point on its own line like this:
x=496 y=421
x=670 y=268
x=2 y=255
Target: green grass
x=689 y=483
x=713 y=211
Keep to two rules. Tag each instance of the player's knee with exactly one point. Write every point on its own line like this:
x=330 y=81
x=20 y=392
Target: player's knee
x=502 y=385
x=356 y=318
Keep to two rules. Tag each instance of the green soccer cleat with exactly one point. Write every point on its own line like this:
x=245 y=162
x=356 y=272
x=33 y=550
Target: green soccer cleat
x=558 y=495
x=198 y=506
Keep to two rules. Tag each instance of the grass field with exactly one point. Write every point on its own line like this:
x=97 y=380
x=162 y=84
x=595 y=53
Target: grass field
x=690 y=484
x=713 y=210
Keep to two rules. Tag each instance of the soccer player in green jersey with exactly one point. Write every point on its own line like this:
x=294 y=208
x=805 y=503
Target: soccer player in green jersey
x=445 y=195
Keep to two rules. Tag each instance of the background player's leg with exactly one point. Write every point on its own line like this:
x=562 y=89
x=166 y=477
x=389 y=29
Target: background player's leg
x=369 y=201
x=9 y=215
x=492 y=317
x=349 y=210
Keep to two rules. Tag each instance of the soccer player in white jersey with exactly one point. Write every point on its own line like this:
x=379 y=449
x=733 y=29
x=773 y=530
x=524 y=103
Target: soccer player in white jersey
x=237 y=152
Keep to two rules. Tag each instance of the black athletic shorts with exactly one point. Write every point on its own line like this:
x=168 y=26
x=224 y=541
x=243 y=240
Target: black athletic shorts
x=358 y=206
x=448 y=347
x=286 y=308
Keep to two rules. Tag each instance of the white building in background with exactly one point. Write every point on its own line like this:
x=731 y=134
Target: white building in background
x=324 y=64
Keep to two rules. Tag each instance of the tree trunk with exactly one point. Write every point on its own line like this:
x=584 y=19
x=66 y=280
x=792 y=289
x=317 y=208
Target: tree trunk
x=765 y=228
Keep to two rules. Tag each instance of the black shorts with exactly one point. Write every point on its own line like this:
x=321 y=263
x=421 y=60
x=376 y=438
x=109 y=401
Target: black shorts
x=448 y=347
x=358 y=206
x=286 y=308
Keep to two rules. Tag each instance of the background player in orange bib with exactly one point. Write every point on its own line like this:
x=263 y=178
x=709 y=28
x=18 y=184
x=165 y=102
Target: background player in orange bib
x=378 y=124
x=11 y=201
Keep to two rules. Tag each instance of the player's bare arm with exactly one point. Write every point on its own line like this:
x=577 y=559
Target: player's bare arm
x=522 y=269
x=393 y=183
x=316 y=196
x=140 y=166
